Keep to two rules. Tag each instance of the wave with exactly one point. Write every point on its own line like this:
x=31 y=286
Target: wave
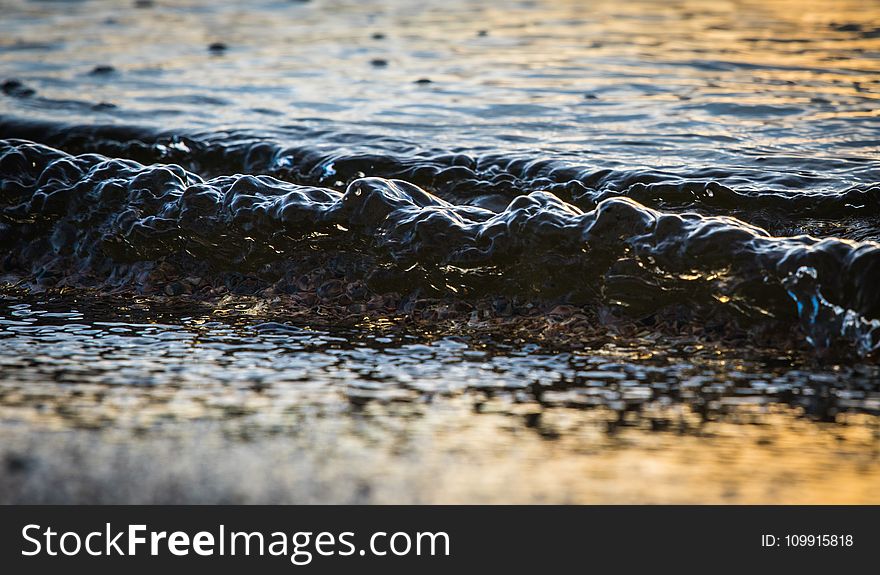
x=490 y=179
x=429 y=231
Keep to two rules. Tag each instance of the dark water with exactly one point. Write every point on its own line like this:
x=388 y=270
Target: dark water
x=703 y=175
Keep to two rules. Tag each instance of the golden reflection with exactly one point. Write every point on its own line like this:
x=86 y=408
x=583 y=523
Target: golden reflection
x=131 y=443
x=733 y=53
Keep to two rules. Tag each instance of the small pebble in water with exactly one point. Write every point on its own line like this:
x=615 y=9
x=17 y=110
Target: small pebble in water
x=217 y=47
x=17 y=89
x=102 y=69
x=379 y=62
x=16 y=463
x=850 y=27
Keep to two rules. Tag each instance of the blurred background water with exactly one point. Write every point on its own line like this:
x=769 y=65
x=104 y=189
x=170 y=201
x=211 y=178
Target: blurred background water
x=761 y=94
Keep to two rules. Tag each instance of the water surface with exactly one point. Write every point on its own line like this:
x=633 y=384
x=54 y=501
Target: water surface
x=129 y=403
x=452 y=251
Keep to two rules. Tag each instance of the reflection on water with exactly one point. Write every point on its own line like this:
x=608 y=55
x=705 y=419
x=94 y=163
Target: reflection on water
x=103 y=403
x=781 y=93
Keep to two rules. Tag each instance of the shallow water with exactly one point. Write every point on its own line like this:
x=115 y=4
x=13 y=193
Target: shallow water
x=115 y=403
x=766 y=94
x=706 y=165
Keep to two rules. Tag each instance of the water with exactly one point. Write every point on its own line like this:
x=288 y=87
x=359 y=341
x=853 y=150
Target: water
x=457 y=251
x=135 y=401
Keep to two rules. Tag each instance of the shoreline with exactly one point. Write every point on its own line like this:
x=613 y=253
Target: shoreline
x=554 y=326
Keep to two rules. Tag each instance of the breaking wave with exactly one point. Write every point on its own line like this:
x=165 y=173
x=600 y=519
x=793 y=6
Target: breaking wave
x=468 y=230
